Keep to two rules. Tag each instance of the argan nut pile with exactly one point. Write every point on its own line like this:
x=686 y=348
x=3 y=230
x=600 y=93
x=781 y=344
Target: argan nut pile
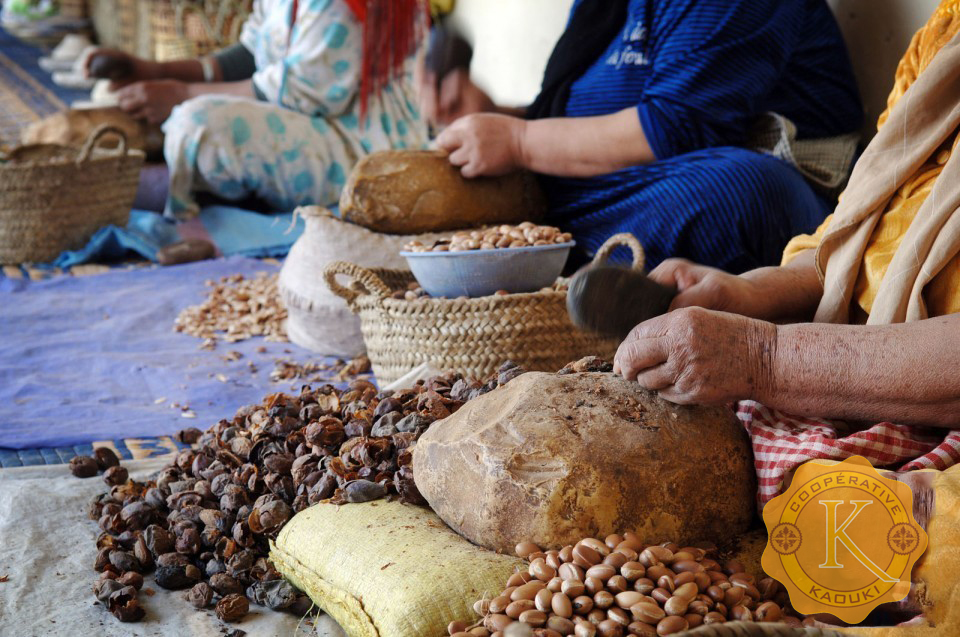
x=522 y=236
x=205 y=522
x=236 y=309
x=620 y=586
x=103 y=459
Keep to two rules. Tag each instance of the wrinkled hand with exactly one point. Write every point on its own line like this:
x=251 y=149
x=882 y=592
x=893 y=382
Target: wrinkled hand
x=694 y=356
x=456 y=97
x=153 y=100
x=485 y=145
x=710 y=288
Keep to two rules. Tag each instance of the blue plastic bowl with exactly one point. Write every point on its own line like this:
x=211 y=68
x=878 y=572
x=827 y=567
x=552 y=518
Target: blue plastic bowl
x=474 y=273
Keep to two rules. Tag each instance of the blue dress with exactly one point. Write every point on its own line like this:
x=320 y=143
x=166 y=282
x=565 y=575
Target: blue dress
x=699 y=72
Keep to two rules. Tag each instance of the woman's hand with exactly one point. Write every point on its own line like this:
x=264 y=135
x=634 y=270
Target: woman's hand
x=694 y=356
x=710 y=288
x=153 y=100
x=485 y=145
x=456 y=97
x=137 y=69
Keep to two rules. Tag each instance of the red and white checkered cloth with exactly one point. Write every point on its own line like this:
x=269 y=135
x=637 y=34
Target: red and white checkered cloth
x=781 y=443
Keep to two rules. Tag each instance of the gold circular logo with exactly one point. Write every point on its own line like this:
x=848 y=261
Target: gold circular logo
x=842 y=539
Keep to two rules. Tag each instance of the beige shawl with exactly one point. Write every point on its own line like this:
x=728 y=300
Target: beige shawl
x=922 y=120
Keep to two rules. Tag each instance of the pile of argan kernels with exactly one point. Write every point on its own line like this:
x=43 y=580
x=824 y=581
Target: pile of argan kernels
x=236 y=309
x=522 y=236
x=621 y=586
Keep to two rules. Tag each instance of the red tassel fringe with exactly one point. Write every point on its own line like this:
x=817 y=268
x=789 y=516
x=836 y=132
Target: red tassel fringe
x=391 y=32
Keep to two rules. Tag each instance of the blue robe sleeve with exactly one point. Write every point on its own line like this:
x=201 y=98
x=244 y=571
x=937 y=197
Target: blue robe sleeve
x=712 y=61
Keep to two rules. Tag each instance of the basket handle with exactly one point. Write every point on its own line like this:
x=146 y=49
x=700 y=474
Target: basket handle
x=370 y=281
x=626 y=240
x=94 y=139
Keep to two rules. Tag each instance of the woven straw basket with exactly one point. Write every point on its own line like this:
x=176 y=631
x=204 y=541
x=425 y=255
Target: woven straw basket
x=185 y=30
x=472 y=336
x=754 y=629
x=53 y=198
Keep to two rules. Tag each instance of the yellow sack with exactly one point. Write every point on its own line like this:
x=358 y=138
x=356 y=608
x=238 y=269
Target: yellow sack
x=385 y=569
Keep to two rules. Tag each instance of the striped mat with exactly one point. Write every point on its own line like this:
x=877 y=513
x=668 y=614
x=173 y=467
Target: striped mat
x=27 y=93
x=129 y=449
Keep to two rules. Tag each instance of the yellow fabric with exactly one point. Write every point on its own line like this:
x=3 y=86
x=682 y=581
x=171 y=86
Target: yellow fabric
x=385 y=569
x=942 y=296
x=939 y=568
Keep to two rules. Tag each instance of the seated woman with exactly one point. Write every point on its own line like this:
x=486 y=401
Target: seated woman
x=279 y=115
x=881 y=281
x=646 y=117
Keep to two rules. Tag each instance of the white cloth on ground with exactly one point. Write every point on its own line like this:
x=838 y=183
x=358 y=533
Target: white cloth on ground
x=47 y=549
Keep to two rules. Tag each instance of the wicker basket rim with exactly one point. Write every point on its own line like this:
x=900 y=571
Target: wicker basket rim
x=90 y=153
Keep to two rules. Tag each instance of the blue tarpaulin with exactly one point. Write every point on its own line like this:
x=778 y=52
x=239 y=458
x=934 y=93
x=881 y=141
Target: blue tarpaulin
x=90 y=358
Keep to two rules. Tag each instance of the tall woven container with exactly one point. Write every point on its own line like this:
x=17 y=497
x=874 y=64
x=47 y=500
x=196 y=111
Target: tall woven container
x=184 y=30
x=472 y=336
x=54 y=198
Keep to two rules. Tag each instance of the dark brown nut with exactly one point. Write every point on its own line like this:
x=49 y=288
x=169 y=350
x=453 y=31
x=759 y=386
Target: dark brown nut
x=176 y=577
x=644 y=585
x=741 y=614
x=702 y=580
x=225 y=585
x=666 y=582
x=124 y=606
x=693 y=620
x=104 y=588
x=686 y=566
x=456 y=627
x=124 y=561
x=83 y=466
x=716 y=593
x=115 y=476
x=661 y=595
x=733 y=596
x=687 y=591
x=768 y=588
x=189 y=436
x=200 y=596
x=232 y=608
x=647 y=613
x=609 y=628
x=671 y=625
x=655 y=555
x=768 y=612
x=698 y=607
x=714 y=617
x=683 y=578
x=658 y=571
x=105 y=458
x=676 y=606
x=616 y=560
x=633 y=571
x=585 y=556
x=102 y=559
x=733 y=566
x=132 y=578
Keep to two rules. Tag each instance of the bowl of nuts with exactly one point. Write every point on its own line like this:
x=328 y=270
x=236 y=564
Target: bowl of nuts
x=474 y=263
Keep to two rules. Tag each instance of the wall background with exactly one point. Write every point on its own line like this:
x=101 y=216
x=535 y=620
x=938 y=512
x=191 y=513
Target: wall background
x=513 y=39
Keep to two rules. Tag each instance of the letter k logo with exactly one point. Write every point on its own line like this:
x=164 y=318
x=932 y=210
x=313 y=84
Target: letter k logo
x=836 y=534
